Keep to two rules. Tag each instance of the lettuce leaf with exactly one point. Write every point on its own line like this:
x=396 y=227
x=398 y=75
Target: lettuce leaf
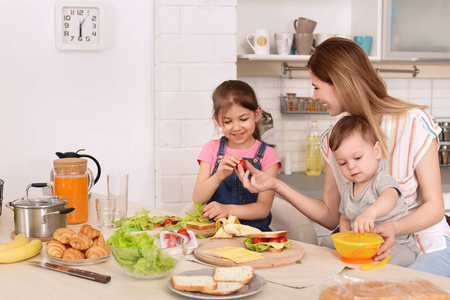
x=197 y=216
x=248 y=242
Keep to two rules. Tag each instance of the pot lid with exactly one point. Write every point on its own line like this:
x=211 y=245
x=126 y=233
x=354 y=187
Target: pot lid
x=40 y=202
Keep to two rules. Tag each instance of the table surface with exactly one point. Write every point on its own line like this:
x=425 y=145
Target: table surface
x=20 y=280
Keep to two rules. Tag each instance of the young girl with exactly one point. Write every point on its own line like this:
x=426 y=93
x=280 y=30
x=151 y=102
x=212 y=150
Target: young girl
x=236 y=112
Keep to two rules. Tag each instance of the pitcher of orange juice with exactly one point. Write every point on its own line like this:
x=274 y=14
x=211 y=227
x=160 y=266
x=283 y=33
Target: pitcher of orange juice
x=73 y=181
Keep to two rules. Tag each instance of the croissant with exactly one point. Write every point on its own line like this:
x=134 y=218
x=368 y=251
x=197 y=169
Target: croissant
x=90 y=231
x=63 y=235
x=96 y=251
x=80 y=241
x=72 y=253
x=100 y=241
x=55 y=248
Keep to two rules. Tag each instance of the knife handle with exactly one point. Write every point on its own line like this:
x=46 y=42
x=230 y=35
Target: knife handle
x=90 y=275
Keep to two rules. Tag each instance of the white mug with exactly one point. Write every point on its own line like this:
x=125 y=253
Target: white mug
x=320 y=37
x=343 y=35
x=284 y=42
x=261 y=41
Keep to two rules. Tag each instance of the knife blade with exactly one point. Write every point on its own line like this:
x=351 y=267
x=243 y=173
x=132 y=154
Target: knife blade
x=72 y=271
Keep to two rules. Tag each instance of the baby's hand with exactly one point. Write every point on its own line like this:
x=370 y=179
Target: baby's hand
x=215 y=211
x=364 y=222
x=227 y=166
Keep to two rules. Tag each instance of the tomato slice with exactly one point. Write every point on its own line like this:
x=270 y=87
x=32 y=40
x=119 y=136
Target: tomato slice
x=167 y=221
x=274 y=240
x=283 y=239
x=257 y=240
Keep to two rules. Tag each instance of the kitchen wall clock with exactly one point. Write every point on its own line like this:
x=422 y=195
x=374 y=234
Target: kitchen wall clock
x=79 y=25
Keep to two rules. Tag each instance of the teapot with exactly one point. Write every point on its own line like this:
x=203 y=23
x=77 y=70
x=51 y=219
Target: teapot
x=75 y=154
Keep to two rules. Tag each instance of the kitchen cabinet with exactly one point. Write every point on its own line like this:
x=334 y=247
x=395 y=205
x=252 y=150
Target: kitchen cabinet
x=416 y=30
x=358 y=17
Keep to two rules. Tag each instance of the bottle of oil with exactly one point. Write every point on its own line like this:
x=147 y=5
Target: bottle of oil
x=313 y=156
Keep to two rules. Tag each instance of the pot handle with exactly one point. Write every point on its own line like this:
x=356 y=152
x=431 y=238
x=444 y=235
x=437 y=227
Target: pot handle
x=63 y=211
x=39 y=185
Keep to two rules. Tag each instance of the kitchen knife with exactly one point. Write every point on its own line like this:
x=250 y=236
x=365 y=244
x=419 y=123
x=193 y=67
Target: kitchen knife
x=72 y=271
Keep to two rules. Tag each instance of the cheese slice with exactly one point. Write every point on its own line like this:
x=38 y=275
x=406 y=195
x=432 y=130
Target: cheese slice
x=276 y=245
x=236 y=254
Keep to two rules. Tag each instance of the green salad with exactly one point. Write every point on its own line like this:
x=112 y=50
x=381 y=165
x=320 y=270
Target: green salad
x=141 y=221
x=129 y=252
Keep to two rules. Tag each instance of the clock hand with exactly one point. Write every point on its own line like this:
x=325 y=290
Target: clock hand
x=81 y=23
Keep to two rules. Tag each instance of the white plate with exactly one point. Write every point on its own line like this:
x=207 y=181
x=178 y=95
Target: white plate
x=192 y=242
x=253 y=287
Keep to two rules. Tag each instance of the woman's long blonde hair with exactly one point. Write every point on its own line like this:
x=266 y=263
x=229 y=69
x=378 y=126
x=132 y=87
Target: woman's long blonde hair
x=344 y=64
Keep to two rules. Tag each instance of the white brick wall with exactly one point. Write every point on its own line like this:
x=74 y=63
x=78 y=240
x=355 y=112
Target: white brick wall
x=195 y=50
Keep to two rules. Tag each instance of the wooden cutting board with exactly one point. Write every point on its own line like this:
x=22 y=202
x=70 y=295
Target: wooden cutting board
x=270 y=259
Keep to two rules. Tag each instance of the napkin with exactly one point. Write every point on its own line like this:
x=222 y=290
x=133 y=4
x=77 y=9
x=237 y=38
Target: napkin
x=317 y=264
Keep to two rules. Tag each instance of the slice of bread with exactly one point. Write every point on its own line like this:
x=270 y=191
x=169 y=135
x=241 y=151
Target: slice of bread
x=242 y=274
x=197 y=283
x=272 y=249
x=268 y=234
x=200 y=225
x=225 y=288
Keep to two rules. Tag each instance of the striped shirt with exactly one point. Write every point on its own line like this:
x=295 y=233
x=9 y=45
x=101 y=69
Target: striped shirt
x=409 y=136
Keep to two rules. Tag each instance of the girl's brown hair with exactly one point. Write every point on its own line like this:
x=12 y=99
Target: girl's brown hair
x=238 y=92
x=349 y=125
x=344 y=64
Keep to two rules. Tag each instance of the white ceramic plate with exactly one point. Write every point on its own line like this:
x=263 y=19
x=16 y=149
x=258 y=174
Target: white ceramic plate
x=253 y=287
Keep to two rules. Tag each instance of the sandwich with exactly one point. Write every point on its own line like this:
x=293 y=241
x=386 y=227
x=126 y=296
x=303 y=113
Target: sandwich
x=270 y=241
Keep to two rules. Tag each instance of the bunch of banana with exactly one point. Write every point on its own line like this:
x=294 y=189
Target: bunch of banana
x=19 y=249
x=227 y=228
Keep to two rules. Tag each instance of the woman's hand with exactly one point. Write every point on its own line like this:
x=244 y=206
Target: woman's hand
x=216 y=210
x=259 y=182
x=227 y=166
x=387 y=231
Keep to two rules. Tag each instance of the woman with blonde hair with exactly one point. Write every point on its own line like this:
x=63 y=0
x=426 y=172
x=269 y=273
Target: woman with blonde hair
x=344 y=81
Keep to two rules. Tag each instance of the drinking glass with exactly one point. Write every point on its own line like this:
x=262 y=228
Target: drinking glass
x=106 y=208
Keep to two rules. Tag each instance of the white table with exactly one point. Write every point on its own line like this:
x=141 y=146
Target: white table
x=21 y=280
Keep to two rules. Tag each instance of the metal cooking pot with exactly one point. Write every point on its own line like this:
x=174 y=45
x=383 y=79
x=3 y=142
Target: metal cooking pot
x=39 y=217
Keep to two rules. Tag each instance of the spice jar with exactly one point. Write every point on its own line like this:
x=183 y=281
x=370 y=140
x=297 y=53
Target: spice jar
x=73 y=181
x=445 y=129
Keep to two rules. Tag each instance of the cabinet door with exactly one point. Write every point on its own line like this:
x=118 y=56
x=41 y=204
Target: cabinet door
x=416 y=30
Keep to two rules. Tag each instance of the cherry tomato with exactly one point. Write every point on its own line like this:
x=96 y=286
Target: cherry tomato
x=184 y=232
x=242 y=162
x=167 y=221
x=257 y=240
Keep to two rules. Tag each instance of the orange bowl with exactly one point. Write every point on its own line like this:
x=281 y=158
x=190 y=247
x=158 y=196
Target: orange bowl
x=357 y=248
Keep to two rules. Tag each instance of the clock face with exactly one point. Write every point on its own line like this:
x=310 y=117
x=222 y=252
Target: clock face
x=80 y=25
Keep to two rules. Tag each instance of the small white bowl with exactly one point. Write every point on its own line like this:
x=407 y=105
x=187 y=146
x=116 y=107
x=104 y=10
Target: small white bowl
x=192 y=243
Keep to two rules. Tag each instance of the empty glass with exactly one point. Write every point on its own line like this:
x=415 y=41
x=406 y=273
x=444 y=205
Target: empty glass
x=106 y=209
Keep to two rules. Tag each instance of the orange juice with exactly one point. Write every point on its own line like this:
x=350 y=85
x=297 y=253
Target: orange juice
x=73 y=183
x=75 y=189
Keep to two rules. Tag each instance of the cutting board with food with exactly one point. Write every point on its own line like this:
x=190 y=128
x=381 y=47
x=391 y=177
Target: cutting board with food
x=268 y=260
